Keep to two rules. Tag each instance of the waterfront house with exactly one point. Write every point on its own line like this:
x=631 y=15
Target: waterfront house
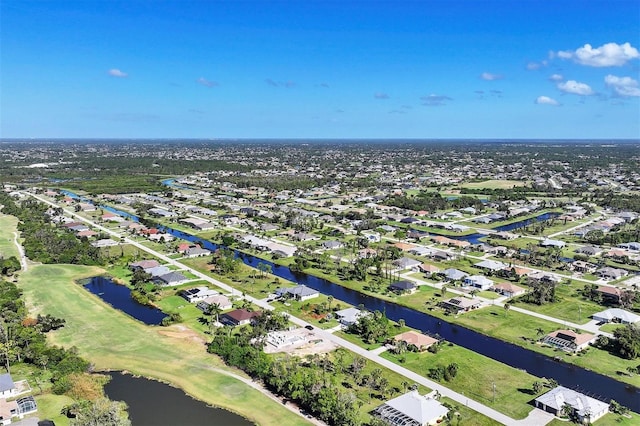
x=585 y=408
x=419 y=341
x=300 y=292
x=568 y=340
x=460 y=304
x=403 y=286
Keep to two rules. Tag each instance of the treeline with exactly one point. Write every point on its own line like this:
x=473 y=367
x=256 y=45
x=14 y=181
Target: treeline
x=500 y=194
x=44 y=241
x=431 y=202
x=615 y=201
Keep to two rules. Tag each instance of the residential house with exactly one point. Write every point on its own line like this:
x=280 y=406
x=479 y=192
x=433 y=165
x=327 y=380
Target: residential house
x=443 y=255
x=300 y=292
x=616 y=315
x=609 y=273
x=219 y=299
x=428 y=268
x=478 y=281
x=349 y=316
x=372 y=237
x=144 y=264
x=332 y=245
x=172 y=278
x=588 y=250
x=105 y=242
x=406 y=263
x=490 y=265
x=196 y=252
x=460 y=304
x=568 y=340
x=403 y=286
x=412 y=409
x=508 y=289
x=420 y=251
x=419 y=341
x=552 y=243
x=156 y=271
x=403 y=246
x=8 y=388
x=583 y=267
x=609 y=294
x=197 y=294
x=239 y=317
x=452 y=274
x=585 y=408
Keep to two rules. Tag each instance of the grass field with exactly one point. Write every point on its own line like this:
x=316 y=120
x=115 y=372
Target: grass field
x=475 y=377
x=494 y=184
x=8 y=226
x=113 y=341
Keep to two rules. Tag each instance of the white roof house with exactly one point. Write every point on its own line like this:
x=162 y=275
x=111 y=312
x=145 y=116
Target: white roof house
x=617 y=315
x=349 y=316
x=491 y=265
x=585 y=407
x=412 y=409
x=478 y=281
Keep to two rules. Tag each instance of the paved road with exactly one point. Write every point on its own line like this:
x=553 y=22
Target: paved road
x=534 y=418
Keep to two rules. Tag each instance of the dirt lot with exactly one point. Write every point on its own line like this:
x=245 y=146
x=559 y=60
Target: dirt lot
x=308 y=343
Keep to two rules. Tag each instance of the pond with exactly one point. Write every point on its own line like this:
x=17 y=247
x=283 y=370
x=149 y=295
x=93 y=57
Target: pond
x=119 y=296
x=157 y=404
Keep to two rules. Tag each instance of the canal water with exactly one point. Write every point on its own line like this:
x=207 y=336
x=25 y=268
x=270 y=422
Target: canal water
x=152 y=403
x=539 y=365
x=119 y=296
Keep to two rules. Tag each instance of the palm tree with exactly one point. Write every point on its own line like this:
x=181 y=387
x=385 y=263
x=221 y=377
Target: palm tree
x=329 y=300
x=507 y=306
x=213 y=309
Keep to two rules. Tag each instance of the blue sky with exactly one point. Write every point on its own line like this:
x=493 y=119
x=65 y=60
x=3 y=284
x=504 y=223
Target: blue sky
x=320 y=69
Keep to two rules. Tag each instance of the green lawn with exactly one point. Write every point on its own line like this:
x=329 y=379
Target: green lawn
x=476 y=374
x=571 y=306
x=113 y=341
x=521 y=329
x=607 y=420
x=7 y=245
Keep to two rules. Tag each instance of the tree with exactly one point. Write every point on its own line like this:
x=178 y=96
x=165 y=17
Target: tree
x=507 y=306
x=628 y=341
x=102 y=412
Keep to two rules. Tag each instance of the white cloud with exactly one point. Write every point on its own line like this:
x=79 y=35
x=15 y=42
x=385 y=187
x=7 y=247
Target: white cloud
x=115 y=72
x=435 y=100
x=572 y=86
x=490 y=77
x=532 y=66
x=607 y=55
x=207 y=83
x=545 y=100
x=556 y=77
x=623 y=86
